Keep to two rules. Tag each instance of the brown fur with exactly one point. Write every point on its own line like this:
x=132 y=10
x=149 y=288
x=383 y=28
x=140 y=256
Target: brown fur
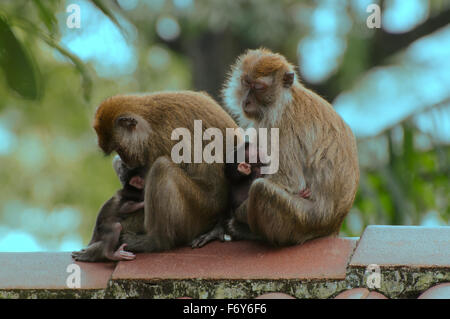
x=181 y=200
x=317 y=151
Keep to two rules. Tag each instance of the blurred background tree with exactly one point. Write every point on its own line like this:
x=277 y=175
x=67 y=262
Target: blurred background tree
x=391 y=84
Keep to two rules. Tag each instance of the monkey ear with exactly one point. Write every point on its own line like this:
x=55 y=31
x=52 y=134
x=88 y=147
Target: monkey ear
x=288 y=79
x=127 y=122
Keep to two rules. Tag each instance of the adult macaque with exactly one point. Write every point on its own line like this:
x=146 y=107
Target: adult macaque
x=104 y=244
x=182 y=200
x=317 y=151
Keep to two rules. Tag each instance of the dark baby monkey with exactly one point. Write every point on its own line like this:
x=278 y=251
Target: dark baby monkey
x=105 y=242
x=240 y=175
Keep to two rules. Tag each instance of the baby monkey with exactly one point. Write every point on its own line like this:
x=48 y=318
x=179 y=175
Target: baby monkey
x=240 y=176
x=104 y=244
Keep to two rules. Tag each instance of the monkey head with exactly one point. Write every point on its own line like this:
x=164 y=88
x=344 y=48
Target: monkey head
x=250 y=167
x=121 y=127
x=258 y=83
x=134 y=177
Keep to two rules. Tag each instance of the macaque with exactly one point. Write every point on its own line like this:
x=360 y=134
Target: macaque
x=104 y=244
x=182 y=199
x=317 y=152
x=241 y=175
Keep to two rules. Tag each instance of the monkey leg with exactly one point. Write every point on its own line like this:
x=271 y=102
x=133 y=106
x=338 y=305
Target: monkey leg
x=92 y=253
x=240 y=231
x=177 y=209
x=105 y=249
x=96 y=252
x=111 y=241
x=282 y=218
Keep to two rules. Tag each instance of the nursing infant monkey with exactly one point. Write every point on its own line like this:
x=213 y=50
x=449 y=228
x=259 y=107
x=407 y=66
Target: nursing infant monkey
x=240 y=176
x=128 y=201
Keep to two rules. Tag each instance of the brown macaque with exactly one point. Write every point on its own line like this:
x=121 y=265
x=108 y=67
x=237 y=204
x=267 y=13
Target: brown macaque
x=183 y=199
x=317 y=152
x=105 y=242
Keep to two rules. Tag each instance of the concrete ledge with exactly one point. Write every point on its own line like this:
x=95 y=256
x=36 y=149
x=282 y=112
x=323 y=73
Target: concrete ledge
x=399 y=246
x=411 y=261
x=324 y=258
x=410 y=258
x=236 y=270
x=44 y=275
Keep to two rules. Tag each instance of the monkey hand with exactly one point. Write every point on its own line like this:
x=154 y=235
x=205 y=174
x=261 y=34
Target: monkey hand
x=305 y=193
x=217 y=233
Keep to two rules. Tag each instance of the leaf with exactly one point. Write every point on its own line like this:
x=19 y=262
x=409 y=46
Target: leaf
x=18 y=69
x=46 y=15
x=79 y=65
x=106 y=11
x=86 y=78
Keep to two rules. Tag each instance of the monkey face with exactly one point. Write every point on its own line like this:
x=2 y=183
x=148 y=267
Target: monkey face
x=121 y=127
x=264 y=76
x=256 y=94
x=104 y=140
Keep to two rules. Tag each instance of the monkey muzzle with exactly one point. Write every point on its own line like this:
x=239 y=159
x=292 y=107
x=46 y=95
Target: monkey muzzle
x=249 y=107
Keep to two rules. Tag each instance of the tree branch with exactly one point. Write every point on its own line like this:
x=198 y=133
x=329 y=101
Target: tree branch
x=387 y=44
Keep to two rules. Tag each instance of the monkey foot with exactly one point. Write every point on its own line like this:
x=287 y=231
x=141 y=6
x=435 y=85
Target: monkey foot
x=122 y=254
x=78 y=255
x=217 y=233
x=305 y=193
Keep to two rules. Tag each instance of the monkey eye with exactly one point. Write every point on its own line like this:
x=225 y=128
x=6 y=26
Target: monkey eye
x=245 y=82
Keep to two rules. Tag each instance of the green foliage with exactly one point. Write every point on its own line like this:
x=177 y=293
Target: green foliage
x=22 y=75
x=16 y=64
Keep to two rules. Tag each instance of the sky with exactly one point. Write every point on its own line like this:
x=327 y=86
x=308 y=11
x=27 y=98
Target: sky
x=383 y=97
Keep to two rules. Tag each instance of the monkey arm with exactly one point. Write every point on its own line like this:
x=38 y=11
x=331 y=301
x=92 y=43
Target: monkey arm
x=283 y=218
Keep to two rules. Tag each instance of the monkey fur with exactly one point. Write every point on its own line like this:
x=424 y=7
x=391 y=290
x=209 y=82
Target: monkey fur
x=240 y=176
x=128 y=201
x=182 y=200
x=317 y=151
